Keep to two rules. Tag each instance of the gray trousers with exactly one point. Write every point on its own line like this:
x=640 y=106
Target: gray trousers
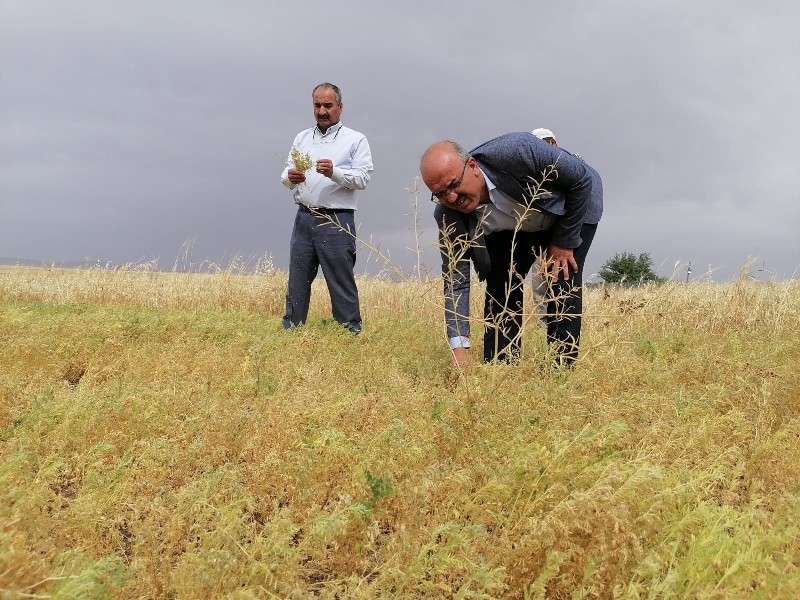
x=326 y=240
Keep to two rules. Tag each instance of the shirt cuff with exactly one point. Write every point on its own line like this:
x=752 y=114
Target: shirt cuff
x=337 y=176
x=460 y=341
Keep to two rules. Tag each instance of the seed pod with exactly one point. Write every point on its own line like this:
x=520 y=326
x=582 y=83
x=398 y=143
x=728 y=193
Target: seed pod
x=302 y=161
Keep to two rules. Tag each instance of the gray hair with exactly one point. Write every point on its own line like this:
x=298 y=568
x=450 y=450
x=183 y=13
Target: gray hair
x=459 y=150
x=329 y=86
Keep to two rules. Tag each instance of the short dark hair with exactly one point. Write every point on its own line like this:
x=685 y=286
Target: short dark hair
x=326 y=85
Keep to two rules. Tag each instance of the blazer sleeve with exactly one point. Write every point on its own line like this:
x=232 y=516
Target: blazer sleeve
x=454 y=249
x=525 y=159
x=574 y=179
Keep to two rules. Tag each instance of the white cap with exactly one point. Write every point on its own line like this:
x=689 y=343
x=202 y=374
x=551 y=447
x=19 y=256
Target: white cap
x=542 y=133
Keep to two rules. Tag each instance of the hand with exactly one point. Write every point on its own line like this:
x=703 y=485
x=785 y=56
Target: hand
x=560 y=261
x=460 y=357
x=296 y=176
x=325 y=167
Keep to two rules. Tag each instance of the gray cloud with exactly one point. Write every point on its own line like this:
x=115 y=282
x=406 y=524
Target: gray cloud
x=130 y=128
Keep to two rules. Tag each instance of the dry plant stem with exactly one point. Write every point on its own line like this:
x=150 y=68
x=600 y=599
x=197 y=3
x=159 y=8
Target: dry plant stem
x=415 y=216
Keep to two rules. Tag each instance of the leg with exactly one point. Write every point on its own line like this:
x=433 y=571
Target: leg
x=565 y=306
x=511 y=257
x=303 y=267
x=336 y=247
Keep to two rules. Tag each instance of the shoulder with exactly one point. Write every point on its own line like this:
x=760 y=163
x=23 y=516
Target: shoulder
x=506 y=141
x=352 y=133
x=305 y=134
x=592 y=171
x=575 y=154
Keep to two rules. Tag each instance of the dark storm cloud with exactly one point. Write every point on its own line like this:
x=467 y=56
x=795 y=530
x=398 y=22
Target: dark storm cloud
x=131 y=131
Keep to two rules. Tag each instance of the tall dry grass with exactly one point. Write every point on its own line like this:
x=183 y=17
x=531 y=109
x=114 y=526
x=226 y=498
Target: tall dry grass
x=162 y=437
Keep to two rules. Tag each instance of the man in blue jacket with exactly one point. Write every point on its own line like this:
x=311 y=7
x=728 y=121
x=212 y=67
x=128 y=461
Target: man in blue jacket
x=500 y=206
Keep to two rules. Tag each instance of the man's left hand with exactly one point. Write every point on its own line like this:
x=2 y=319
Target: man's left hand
x=325 y=167
x=560 y=261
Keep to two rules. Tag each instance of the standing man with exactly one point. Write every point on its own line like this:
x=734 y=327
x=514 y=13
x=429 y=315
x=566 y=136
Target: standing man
x=499 y=206
x=324 y=227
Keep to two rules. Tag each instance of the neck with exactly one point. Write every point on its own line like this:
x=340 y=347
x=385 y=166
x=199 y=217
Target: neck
x=324 y=130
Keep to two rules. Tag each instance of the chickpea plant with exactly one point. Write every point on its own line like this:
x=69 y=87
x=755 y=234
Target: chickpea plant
x=302 y=161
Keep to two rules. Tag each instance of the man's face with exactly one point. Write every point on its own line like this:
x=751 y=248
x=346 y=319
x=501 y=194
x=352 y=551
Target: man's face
x=455 y=183
x=327 y=110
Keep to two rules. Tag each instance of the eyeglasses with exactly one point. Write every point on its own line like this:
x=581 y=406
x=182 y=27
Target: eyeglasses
x=438 y=197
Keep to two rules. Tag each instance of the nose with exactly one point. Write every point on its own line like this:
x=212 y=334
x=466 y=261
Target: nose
x=449 y=196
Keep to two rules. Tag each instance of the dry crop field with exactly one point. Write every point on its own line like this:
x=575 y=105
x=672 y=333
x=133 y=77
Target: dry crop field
x=162 y=437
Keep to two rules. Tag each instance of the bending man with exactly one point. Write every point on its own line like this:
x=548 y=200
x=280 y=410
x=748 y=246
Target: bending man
x=500 y=206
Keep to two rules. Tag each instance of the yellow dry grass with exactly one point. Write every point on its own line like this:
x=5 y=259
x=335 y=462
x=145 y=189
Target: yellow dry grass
x=162 y=437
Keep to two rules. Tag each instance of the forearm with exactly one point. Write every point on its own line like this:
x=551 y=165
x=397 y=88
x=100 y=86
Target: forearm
x=576 y=181
x=352 y=179
x=456 y=303
x=355 y=175
x=285 y=179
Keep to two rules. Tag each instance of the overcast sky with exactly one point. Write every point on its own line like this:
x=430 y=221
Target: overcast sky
x=140 y=131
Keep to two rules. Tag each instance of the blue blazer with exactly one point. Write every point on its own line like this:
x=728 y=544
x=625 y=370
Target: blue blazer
x=516 y=163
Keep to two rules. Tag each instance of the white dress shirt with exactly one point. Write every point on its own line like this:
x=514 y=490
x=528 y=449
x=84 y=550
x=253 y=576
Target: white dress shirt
x=352 y=164
x=503 y=213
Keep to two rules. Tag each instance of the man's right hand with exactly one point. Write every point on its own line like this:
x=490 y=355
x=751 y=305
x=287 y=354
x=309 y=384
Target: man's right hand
x=296 y=176
x=460 y=357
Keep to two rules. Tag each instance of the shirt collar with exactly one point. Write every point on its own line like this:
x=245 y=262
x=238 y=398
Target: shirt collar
x=489 y=183
x=332 y=130
x=491 y=188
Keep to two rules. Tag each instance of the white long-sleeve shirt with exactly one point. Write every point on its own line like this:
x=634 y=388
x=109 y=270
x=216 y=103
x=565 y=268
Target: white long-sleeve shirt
x=352 y=164
x=504 y=213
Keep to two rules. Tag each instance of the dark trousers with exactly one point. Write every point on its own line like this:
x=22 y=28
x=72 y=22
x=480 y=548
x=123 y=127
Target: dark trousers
x=512 y=255
x=326 y=240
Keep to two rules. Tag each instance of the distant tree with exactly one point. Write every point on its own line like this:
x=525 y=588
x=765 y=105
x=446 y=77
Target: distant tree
x=627 y=267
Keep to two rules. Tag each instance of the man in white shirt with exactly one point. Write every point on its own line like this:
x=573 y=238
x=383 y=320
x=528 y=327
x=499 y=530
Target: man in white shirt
x=324 y=227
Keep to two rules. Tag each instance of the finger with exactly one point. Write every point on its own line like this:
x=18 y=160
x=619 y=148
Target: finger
x=573 y=263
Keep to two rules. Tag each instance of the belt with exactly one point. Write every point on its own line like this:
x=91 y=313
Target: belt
x=323 y=211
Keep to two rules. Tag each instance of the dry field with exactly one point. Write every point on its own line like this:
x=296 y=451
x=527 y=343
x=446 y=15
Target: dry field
x=162 y=437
